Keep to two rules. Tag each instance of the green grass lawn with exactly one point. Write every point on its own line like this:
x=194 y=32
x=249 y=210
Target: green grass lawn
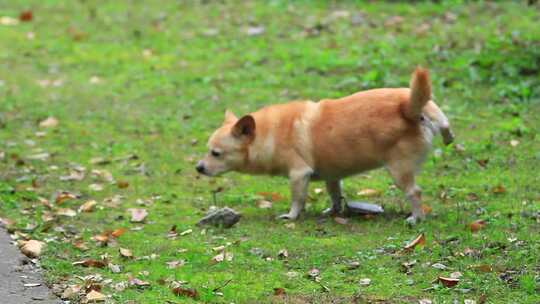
x=141 y=84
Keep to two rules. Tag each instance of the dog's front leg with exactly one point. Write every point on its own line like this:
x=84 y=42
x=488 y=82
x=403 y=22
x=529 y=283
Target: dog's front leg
x=299 y=180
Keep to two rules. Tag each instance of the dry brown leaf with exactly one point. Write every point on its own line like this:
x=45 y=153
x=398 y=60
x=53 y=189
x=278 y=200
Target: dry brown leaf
x=71 y=292
x=426 y=209
x=418 y=241
x=368 y=192
x=64 y=196
x=81 y=245
x=118 y=232
x=477 y=225
x=137 y=215
x=264 y=204
x=88 y=206
x=448 y=282
x=341 y=220
x=224 y=256
x=483 y=268
x=271 y=196
x=175 y=264
x=138 y=283
x=125 y=253
x=122 y=184
x=279 y=291
x=186 y=292
x=498 y=189
x=90 y=263
x=66 y=212
x=31 y=248
x=49 y=122
x=95 y=296
x=26 y=16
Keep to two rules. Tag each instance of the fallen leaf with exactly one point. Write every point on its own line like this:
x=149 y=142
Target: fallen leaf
x=341 y=220
x=186 y=232
x=81 y=245
x=74 y=175
x=426 y=209
x=264 y=204
x=368 y=192
x=224 y=256
x=418 y=241
x=424 y=301
x=26 y=16
x=138 y=283
x=364 y=282
x=71 y=292
x=186 y=292
x=469 y=301
x=66 y=212
x=5 y=20
x=483 y=268
x=514 y=143
x=271 y=196
x=39 y=156
x=31 y=248
x=94 y=80
x=99 y=161
x=125 y=253
x=118 y=232
x=439 y=266
x=456 y=275
x=138 y=215
x=90 y=263
x=448 y=282
x=122 y=184
x=255 y=30
x=498 y=189
x=290 y=225
x=313 y=274
x=49 y=122
x=477 y=225
x=95 y=187
x=64 y=196
x=114 y=268
x=353 y=265
x=279 y=291
x=175 y=264
x=94 y=296
x=88 y=206
x=103 y=238
x=218 y=248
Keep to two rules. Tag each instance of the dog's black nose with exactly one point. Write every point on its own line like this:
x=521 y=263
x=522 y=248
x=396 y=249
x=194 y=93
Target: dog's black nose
x=200 y=168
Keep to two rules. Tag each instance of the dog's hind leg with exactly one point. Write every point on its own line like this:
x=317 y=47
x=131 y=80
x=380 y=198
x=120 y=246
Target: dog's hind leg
x=403 y=175
x=334 y=190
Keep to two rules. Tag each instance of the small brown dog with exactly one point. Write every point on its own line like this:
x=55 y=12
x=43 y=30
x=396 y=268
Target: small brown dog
x=332 y=139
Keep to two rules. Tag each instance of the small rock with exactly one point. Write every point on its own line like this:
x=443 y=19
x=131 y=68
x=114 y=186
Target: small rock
x=224 y=217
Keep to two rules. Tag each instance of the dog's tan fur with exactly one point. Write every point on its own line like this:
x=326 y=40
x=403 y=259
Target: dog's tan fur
x=333 y=139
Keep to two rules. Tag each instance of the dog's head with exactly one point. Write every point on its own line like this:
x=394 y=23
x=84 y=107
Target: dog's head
x=227 y=147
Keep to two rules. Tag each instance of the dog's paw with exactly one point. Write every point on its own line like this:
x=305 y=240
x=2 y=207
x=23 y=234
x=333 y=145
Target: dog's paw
x=287 y=217
x=414 y=219
x=331 y=211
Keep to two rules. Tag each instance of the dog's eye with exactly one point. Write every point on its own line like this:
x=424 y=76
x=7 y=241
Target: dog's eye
x=215 y=153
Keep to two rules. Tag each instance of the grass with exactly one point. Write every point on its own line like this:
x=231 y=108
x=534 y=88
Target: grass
x=153 y=79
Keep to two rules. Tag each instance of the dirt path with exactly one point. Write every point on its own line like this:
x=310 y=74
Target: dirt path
x=14 y=275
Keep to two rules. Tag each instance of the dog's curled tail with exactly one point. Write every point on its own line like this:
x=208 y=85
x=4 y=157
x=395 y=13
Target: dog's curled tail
x=420 y=94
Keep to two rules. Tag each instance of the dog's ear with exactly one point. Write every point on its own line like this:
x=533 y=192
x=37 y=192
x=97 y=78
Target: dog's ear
x=245 y=126
x=229 y=117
